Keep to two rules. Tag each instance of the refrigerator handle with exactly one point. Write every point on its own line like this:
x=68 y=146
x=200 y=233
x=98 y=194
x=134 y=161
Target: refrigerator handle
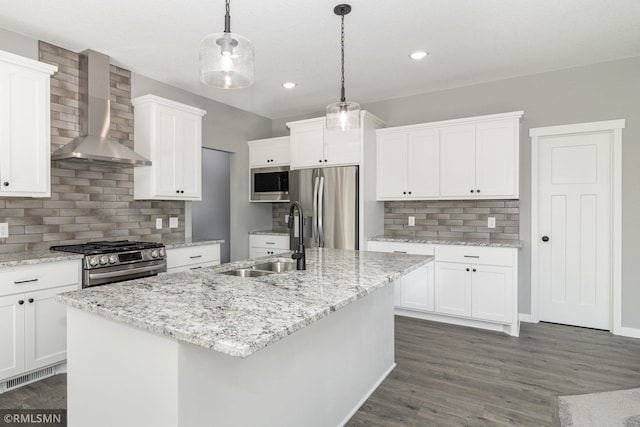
x=321 y=213
x=315 y=211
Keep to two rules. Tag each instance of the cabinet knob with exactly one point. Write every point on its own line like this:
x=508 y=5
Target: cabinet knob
x=181 y=191
x=409 y=192
x=21 y=302
x=474 y=270
x=6 y=183
x=320 y=161
x=472 y=191
x=545 y=238
x=478 y=190
x=178 y=191
x=467 y=269
x=325 y=160
x=404 y=192
x=30 y=300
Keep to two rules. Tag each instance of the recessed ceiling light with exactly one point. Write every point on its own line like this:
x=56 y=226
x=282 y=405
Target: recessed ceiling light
x=288 y=85
x=418 y=55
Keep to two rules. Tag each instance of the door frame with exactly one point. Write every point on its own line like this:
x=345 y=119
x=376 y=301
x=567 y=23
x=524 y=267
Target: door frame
x=615 y=128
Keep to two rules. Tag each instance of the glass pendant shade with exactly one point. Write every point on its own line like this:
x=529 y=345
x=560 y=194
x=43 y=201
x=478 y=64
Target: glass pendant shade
x=343 y=116
x=226 y=61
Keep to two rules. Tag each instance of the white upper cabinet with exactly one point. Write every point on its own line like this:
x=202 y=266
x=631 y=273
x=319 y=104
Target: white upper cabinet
x=472 y=158
x=408 y=164
x=269 y=152
x=313 y=146
x=25 y=145
x=170 y=135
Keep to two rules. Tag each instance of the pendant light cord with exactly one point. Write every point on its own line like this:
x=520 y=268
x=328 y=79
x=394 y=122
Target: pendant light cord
x=227 y=18
x=342 y=94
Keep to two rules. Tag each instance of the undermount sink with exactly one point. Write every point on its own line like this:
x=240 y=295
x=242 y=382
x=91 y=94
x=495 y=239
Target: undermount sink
x=263 y=269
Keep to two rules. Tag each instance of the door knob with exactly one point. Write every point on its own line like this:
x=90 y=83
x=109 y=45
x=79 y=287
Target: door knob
x=545 y=238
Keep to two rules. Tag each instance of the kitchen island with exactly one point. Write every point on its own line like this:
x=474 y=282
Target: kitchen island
x=205 y=348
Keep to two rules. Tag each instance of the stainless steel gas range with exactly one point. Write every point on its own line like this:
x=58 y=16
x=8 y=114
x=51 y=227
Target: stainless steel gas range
x=109 y=262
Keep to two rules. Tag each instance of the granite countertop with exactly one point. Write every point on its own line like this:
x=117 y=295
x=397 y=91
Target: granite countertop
x=269 y=233
x=36 y=257
x=475 y=242
x=190 y=242
x=238 y=316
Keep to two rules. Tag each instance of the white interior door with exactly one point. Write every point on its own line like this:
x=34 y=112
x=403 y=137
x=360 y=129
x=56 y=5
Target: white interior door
x=574 y=229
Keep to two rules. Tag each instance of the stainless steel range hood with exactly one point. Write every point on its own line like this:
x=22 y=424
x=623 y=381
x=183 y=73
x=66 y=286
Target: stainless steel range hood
x=95 y=119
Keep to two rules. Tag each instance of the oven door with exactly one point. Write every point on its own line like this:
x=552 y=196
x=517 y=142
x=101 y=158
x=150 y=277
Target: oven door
x=270 y=184
x=118 y=273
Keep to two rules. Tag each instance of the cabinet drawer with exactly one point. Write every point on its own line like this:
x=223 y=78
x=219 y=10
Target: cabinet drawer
x=264 y=241
x=27 y=278
x=409 y=248
x=476 y=255
x=190 y=255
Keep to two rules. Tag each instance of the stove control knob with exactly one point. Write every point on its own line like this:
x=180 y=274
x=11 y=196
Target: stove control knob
x=113 y=259
x=93 y=261
x=154 y=253
x=103 y=260
x=161 y=252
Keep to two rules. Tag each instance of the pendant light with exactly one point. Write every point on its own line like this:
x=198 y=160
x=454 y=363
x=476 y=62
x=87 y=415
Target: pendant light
x=226 y=59
x=343 y=115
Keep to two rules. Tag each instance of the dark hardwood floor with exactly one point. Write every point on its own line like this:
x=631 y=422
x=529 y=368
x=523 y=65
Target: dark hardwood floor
x=455 y=376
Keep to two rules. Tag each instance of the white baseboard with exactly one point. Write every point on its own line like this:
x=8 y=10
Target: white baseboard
x=623 y=331
x=460 y=321
x=366 y=396
x=528 y=318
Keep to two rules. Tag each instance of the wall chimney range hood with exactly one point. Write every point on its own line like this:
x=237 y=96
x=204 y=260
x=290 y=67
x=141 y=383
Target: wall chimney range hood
x=95 y=119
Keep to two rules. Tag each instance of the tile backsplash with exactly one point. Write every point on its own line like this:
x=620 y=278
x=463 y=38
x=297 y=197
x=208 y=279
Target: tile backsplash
x=88 y=202
x=279 y=211
x=453 y=219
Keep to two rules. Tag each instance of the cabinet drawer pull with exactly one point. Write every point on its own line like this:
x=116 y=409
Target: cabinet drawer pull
x=270 y=243
x=399 y=252
x=195 y=256
x=195 y=268
x=20 y=282
x=472 y=256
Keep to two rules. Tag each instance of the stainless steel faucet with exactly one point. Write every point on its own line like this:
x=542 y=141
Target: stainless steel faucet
x=298 y=254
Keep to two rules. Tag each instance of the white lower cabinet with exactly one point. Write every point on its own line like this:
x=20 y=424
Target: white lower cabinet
x=262 y=245
x=33 y=327
x=192 y=257
x=467 y=285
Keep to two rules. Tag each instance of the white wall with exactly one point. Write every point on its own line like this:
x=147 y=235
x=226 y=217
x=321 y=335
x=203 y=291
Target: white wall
x=18 y=44
x=597 y=92
x=228 y=129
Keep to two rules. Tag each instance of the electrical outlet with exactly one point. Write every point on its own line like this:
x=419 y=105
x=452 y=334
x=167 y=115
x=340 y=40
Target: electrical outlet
x=158 y=223
x=412 y=221
x=4 y=230
x=173 y=222
x=491 y=222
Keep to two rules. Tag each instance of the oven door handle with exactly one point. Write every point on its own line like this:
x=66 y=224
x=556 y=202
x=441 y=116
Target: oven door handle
x=120 y=273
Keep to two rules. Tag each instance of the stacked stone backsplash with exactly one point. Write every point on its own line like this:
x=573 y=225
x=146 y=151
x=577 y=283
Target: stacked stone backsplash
x=279 y=211
x=453 y=219
x=88 y=202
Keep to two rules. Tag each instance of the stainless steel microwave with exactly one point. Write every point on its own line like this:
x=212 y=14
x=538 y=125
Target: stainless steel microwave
x=270 y=184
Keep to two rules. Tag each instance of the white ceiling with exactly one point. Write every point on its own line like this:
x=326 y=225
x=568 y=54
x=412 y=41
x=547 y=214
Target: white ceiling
x=470 y=41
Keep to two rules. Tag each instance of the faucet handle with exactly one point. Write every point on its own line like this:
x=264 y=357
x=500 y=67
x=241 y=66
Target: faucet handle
x=297 y=255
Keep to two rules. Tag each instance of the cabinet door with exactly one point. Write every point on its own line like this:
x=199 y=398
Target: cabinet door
x=342 y=147
x=189 y=170
x=45 y=328
x=457 y=161
x=417 y=289
x=453 y=289
x=24 y=132
x=392 y=166
x=280 y=149
x=496 y=159
x=491 y=291
x=423 y=164
x=307 y=145
x=167 y=156
x=260 y=155
x=11 y=336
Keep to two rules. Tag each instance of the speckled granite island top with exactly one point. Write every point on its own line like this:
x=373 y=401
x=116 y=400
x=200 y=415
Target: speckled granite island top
x=238 y=316
x=191 y=242
x=487 y=243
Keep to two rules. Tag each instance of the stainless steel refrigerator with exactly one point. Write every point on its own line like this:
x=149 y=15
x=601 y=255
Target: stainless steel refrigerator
x=329 y=199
